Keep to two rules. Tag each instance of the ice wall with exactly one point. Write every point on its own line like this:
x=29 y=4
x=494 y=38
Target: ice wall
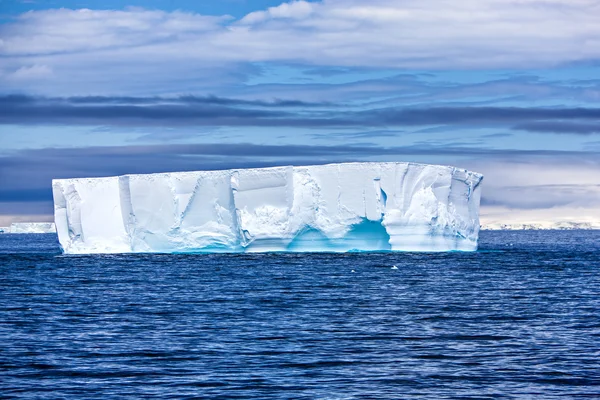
x=335 y=207
x=32 y=227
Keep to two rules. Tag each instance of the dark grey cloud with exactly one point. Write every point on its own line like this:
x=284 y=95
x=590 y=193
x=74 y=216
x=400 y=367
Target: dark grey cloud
x=326 y=72
x=26 y=175
x=359 y=135
x=277 y=151
x=478 y=115
x=184 y=99
x=25 y=195
x=560 y=127
x=497 y=135
x=160 y=111
x=407 y=90
x=217 y=111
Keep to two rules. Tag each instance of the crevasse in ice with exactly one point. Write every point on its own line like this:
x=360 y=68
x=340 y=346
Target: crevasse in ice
x=335 y=207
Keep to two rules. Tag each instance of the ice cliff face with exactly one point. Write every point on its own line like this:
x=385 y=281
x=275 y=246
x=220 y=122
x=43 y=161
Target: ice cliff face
x=336 y=207
x=32 y=227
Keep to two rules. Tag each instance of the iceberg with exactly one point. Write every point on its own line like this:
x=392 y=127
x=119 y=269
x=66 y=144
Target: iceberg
x=541 y=226
x=32 y=227
x=388 y=206
x=4 y=229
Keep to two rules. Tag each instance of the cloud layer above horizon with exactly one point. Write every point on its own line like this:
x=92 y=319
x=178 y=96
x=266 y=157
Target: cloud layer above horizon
x=511 y=89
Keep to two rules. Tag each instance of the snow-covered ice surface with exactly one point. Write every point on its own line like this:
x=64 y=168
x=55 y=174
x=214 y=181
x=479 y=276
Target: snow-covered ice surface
x=335 y=207
x=4 y=229
x=32 y=227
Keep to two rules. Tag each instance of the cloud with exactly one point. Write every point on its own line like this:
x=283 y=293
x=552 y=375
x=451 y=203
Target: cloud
x=544 y=196
x=25 y=195
x=33 y=169
x=135 y=111
x=27 y=174
x=31 y=73
x=358 y=135
x=181 y=99
x=69 y=31
x=479 y=115
x=25 y=212
x=560 y=127
x=213 y=111
x=442 y=90
x=497 y=135
x=295 y=10
x=539 y=182
x=514 y=179
x=430 y=34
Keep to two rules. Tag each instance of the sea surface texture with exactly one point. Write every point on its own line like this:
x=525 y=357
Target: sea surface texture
x=520 y=318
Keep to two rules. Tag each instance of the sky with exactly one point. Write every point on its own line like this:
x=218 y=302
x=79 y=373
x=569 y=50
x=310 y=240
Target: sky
x=510 y=89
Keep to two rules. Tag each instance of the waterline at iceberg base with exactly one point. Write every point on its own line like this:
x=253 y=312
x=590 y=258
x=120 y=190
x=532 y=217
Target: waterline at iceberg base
x=334 y=207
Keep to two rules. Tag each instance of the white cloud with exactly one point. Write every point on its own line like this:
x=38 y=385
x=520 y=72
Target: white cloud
x=83 y=30
x=394 y=33
x=30 y=72
x=295 y=10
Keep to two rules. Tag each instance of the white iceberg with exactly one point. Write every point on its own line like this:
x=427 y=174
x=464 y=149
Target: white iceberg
x=32 y=227
x=335 y=207
x=541 y=226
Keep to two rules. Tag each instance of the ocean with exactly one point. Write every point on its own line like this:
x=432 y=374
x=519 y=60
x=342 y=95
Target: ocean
x=520 y=318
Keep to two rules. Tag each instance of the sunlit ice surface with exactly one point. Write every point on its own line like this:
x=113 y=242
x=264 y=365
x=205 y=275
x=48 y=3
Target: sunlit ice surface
x=325 y=208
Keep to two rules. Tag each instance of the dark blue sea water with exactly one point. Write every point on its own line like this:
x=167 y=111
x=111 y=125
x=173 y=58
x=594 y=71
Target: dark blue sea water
x=518 y=319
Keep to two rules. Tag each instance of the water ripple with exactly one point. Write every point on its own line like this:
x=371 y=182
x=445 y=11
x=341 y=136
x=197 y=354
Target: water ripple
x=518 y=321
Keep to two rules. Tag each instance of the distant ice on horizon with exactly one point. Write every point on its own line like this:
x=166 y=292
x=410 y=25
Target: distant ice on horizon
x=31 y=227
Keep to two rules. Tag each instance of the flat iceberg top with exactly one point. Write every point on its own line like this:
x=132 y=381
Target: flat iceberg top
x=334 y=207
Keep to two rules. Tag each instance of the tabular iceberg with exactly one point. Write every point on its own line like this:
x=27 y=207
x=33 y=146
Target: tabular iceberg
x=335 y=207
x=32 y=227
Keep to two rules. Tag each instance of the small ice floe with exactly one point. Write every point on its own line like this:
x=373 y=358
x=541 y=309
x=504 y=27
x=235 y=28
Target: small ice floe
x=353 y=271
x=394 y=267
